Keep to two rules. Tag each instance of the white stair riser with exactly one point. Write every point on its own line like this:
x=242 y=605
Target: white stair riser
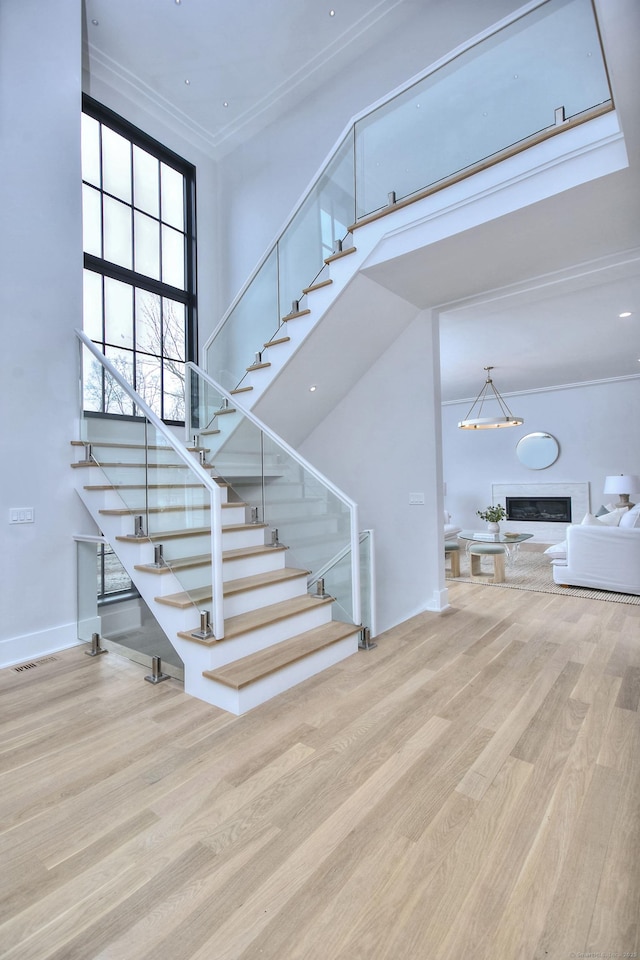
x=240 y=701
x=253 y=565
x=234 y=648
x=247 y=537
x=123 y=454
x=156 y=523
x=263 y=596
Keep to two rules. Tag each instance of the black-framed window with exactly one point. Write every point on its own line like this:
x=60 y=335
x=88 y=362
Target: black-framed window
x=139 y=263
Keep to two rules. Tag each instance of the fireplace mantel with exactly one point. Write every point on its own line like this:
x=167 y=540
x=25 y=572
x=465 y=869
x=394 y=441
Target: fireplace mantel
x=544 y=532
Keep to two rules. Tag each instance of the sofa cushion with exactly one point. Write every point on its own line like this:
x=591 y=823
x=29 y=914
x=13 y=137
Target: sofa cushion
x=557 y=551
x=631 y=518
x=611 y=519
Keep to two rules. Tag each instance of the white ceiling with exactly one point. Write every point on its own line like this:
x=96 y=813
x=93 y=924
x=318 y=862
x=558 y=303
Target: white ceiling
x=536 y=294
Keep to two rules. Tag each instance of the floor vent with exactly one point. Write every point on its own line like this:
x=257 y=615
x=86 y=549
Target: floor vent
x=35 y=663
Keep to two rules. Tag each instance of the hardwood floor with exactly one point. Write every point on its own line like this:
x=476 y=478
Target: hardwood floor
x=470 y=788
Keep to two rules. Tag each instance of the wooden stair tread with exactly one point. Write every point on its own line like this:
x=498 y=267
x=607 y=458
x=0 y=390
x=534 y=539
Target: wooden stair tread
x=193 y=531
x=168 y=535
x=232 y=587
x=242 y=389
x=239 y=552
x=263 y=617
x=340 y=254
x=204 y=559
x=128 y=463
x=146 y=486
x=125 y=446
x=177 y=508
x=274 y=343
x=295 y=315
x=174 y=508
x=185 y=598
x=258 y=366
x=181 y=563
x=253 y=619
x=247 y=670
x=317 y=286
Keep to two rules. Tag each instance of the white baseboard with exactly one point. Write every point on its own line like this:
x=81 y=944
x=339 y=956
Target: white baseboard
x=30 y=646
x=439 y=601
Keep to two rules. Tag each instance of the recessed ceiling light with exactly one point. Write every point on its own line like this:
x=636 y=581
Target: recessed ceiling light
x=225 y=103
x=188 y=82
x=332 y=13
x=96 y=23
x=627 y=313
x=312 y=389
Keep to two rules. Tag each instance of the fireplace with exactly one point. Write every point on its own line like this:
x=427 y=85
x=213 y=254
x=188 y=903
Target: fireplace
x=539 y=509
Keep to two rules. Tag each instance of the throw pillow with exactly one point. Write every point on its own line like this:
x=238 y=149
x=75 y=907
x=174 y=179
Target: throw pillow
x=589 y=520
x=611 y=519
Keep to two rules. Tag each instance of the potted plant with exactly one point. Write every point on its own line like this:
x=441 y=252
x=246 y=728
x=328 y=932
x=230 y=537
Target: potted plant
x=493 y=516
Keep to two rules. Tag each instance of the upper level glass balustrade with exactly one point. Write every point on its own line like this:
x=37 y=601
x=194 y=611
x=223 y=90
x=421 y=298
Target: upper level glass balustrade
x=502 y=93
x=157 y=487
x=314 y=520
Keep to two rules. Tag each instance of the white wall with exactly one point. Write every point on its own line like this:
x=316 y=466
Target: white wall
x=262 y=180
x=596 y=426
x=379 y=445
x=40 y=304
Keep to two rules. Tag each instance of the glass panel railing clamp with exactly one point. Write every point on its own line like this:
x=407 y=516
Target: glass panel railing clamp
x=320 y=591
x=274 y=538
x=96 y=649
x=158 y=559
x=156 y=676
x=559 y=116
x=205 y=632
x=337 y=246
x=391 y=198
x=364 y=643
x=138 y=529
x=255 y=515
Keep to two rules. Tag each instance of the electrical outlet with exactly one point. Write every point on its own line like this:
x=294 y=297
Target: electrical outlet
x=416 y=498
x=21 y=515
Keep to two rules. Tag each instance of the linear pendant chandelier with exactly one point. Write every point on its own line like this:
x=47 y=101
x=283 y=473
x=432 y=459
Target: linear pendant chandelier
x=474 y=419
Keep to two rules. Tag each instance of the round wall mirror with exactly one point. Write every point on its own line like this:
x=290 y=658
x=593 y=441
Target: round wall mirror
x=537 y=450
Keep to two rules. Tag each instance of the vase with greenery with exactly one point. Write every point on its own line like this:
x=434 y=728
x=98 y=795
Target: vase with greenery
x=493 y=516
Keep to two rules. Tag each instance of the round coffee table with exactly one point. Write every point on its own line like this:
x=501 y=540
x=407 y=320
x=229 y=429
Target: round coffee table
x=495 y=545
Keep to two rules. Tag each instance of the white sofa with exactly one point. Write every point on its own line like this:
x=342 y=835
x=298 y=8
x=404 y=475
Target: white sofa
x=599 y=556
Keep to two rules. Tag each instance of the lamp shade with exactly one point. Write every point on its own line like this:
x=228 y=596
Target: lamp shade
x=622 y=483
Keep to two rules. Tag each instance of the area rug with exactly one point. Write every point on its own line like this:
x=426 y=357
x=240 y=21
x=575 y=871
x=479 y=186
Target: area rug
x=532 y=571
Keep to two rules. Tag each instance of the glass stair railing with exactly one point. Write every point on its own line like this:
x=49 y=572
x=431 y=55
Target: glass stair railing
x=154 y=489
x=197 y=530
x=537 y=74
x=302 y=509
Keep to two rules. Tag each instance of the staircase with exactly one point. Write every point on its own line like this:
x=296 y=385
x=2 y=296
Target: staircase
x=159 y=520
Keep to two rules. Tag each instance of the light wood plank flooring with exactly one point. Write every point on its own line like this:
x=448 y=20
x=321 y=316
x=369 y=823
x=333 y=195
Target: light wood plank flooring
x=468 y=789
